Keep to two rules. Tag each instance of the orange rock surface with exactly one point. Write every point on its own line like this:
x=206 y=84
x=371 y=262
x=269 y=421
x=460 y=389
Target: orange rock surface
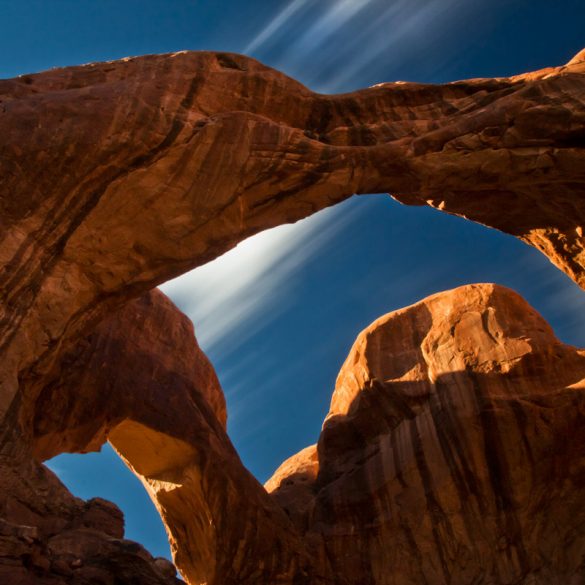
x=453 y=453
x=453 y=450
x=150 y=390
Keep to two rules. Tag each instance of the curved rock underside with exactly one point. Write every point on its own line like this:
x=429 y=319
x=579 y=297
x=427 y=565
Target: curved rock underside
x=151 y=391
x=453 y=452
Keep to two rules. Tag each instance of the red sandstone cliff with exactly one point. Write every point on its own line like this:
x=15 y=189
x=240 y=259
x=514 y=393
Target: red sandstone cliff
x=453 y=453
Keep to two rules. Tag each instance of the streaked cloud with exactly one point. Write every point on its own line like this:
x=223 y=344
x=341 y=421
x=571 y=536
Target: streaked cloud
x=237 y=294
x=339 y=14
x=332 y=45
x=400 y=23
x=275 y=25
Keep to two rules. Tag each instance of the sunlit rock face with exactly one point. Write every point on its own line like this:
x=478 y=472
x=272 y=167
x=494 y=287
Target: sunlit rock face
x=452 y=453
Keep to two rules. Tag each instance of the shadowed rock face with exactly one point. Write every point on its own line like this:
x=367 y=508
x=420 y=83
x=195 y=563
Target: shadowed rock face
x=453 y=450
x=148 y=388
x=49 y=537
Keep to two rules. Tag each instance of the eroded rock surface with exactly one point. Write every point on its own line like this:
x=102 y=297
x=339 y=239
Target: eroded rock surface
x=150 y=390
x=49 y=537
x=453 y=452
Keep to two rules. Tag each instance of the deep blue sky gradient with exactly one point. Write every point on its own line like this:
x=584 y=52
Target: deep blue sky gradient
x=278 y=361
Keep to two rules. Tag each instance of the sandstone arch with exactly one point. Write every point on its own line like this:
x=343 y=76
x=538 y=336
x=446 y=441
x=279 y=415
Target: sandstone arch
x=150 y=140
x=141 y=381
x=117 y=176
x=452 y=451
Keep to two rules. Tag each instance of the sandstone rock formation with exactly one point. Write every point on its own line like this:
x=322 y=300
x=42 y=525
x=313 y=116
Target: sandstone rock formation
x=49 y=537
x=117 y=176
x=150 y=390
x=453 y=451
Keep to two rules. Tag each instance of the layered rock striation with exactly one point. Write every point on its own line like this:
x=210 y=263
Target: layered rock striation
x=453 y=453
x=148 y=388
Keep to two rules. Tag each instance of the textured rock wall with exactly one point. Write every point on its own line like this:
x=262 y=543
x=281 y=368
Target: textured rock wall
x=49 y=537
x=141 y=381
x=453 y=452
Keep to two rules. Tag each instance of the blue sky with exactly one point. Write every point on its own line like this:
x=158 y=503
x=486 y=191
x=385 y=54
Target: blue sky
x=278 y=314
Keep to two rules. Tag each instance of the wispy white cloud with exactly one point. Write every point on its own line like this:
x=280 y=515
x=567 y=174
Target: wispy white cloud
x=237 y=294
x=403 y=21
x=328 y=24
x=275 y=25
x=331 y=45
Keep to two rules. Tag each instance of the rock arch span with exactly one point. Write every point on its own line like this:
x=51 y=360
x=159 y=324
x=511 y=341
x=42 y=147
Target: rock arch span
x=117 y=176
